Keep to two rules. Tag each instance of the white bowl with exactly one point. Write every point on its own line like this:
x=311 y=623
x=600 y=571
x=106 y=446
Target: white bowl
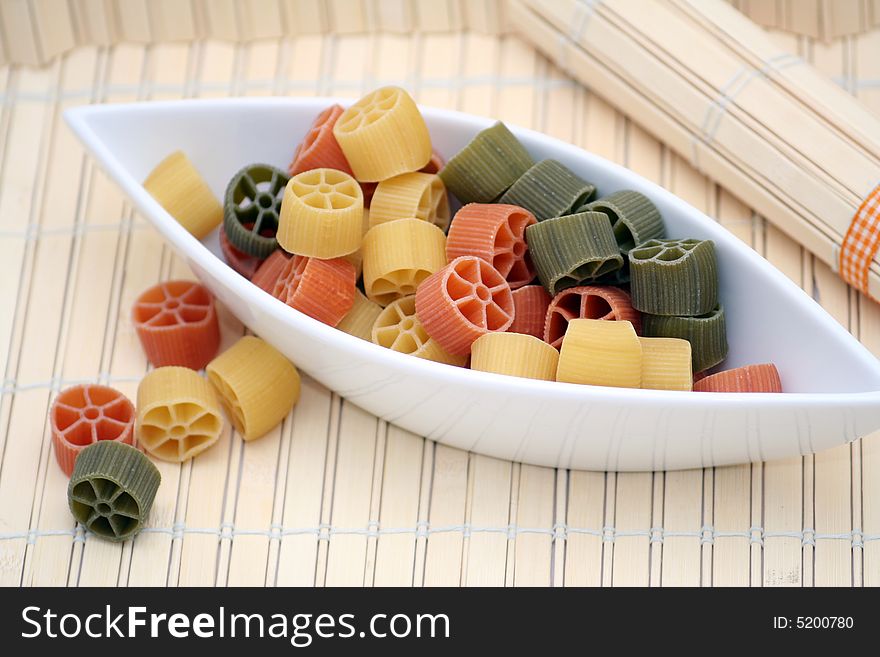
x=833 y=382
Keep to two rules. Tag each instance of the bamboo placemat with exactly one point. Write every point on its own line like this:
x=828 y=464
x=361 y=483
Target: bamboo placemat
x=336 y=496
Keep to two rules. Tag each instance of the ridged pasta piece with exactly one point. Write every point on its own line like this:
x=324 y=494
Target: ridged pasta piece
x=514 y=354
x=84 y=414
x=530 y=305
x=360 y=319
x=588 y=302
x=750 y=378
x=256 y=384
x=666 y=364
x=398 y=328
x=548 y=189
x=464 y=300
x=322 y=214
x=267 y=273
x=319 y=148
x=180 y=189
x=434 y=164
x=322 y=289
x=252 y=205
x=244 y=264
x=178 y=414
x=494 y=233
x=383 y=135
x=634 y=218
x=674 y=277
x=112 y=489
x=572 y=250
x=398 y=256
x=600 y=353
x=706 y=333
x=411 y=196
x=176 y=322
x=484 y=169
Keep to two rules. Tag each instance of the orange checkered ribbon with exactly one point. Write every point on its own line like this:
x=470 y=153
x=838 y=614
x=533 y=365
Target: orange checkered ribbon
x=861 y=242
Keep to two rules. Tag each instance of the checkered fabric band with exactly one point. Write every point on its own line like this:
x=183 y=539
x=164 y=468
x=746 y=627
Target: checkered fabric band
x=861 y=242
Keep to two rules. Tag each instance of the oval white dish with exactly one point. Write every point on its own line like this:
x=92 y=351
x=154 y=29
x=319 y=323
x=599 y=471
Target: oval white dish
x=833 y=382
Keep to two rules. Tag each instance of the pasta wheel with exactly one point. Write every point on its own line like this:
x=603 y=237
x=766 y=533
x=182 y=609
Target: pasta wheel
x=600 y=353
x=398 y=256
x=267 y=273
x=674 y=277
x=322 y=214
x=634 y=218
x=111 y=490
x=573 y=250
x=706 y=333
x=177 y=324
x=383 y=135
x=256 y=384
x=82 y=415
x=180 y=189
x=319 y=148
x=397 y=328
x=484 y=169
x=464 y=300
x=411 y=195
x=244 y=264
x=178 y=414
x=548 y=189
x=494 y=233
x=588 y=302
x=360 y=319
x=666 y=364
x=514 y=354
x=251 y=209
x=322 y=289
x=750 y=378
x=530 y=305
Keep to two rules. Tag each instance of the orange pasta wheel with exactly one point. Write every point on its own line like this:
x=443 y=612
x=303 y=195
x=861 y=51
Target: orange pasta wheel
x=496 y=234
x=322 y=214
x=177 y=324
x=323 y=289
x=750 y=378
x=319 y=148
x=434 y=164
x=530 y=305
x=267 y=273
x=244 y=264
x=397 y=328
x=84 y=414
x=383 y=135
x=398 y=256
x=464 y=300
x=588 y=302
x=411 y=195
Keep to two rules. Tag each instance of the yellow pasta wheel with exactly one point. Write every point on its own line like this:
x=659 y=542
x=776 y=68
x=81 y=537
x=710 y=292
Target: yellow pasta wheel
x=666 y=364
x=399 y=255
x=321 y=215
x=383 y=135
x=397 y=328
x=184 y=194
x=411 y=196
x=515 y=354
x=257 y=385
x=600 y=353
x=178 y=414
x=360 y=319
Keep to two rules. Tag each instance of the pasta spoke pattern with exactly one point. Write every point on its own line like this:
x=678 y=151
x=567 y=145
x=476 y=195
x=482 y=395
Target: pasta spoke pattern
x=588 y=302
x=674 y=277
x=252 y=208
x=398 y=328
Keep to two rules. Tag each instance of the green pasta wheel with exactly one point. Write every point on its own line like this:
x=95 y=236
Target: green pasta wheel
x=484 y=169
x=548 y=189
x=706 y=333
x=112 y=488
x=634 y=218
x=573 y=250
x=674 y=277
x=251 y=208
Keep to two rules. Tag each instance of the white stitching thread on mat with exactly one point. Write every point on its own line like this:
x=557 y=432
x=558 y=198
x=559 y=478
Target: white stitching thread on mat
x=581 y=15
x=57 y=383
